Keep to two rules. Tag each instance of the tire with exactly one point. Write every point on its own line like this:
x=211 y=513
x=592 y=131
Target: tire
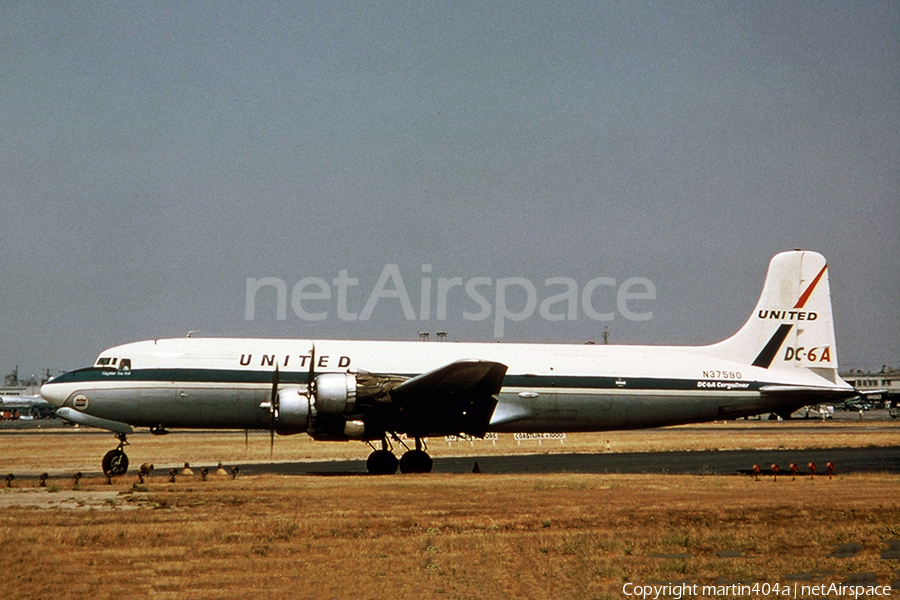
x=416 y=461
x=382 y=462
x=115 y=462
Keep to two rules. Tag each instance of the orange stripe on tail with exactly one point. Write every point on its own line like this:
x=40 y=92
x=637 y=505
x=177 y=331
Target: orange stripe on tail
x=805 y=296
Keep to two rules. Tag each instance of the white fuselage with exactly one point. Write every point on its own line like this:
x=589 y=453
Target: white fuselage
x=225 y=382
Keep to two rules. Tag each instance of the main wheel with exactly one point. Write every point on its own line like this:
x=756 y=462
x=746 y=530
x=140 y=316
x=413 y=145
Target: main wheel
x=416 y=461
x=382 y=462
x=115 y=462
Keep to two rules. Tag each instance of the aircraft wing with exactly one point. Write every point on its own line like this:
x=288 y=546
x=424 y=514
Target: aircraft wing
x=456 y=398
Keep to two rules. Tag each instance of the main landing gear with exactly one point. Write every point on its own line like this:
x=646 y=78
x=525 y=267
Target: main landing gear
x=115 y=462
x=383 y=461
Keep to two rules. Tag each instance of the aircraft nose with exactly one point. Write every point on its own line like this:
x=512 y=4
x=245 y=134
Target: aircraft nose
x=54 y=393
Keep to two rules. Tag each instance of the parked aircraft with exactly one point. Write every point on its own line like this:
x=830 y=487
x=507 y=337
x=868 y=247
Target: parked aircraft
x=23 y=402
x=783 y=358
x=24 y=407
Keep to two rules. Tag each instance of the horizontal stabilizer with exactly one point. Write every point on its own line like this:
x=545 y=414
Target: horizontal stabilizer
x=807 y=395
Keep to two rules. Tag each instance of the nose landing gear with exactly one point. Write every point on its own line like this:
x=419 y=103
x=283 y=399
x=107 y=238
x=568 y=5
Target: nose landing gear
x=115 y=462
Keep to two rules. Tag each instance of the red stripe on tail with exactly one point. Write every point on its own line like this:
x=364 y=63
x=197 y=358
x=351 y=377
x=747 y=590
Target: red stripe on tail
x=809 y=290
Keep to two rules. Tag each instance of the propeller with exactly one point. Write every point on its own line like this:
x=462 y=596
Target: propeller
x=311 y=375
x=273 y=412
x=273 y=401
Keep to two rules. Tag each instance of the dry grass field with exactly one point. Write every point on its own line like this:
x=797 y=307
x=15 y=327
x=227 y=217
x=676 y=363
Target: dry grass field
x=435 y=536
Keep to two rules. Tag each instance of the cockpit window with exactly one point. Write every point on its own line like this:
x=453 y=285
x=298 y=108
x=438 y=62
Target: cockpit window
x=106 y=362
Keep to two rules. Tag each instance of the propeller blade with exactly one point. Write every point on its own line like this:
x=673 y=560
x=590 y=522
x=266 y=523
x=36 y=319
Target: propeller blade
x=273 y=412
x=311 y=375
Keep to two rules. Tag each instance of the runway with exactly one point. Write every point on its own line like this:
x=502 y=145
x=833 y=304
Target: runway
x=678 y=451
x=731 y=462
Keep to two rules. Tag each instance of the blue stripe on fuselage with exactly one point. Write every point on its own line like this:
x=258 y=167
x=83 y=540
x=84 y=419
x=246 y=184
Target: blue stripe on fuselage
x=225 y=376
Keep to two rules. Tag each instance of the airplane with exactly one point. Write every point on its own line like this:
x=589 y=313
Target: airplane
x=783 y=358
x=23 y=402
x=30 y=404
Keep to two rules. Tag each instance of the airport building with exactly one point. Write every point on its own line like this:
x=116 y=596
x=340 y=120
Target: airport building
x=13 y=385
x=888 y=378
x=884 y=385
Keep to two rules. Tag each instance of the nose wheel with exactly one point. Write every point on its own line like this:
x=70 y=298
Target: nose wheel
x=115 y=462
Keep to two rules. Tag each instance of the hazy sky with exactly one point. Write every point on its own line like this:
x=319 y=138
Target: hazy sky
x=154 y=156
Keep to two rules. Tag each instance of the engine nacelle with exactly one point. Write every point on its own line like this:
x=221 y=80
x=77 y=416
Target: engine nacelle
x=293 y=409
x=339 y=407
x=326 y=416
x=335 y=393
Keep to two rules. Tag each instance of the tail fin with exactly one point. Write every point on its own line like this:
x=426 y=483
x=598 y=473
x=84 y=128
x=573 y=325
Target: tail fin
x=791 y=325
